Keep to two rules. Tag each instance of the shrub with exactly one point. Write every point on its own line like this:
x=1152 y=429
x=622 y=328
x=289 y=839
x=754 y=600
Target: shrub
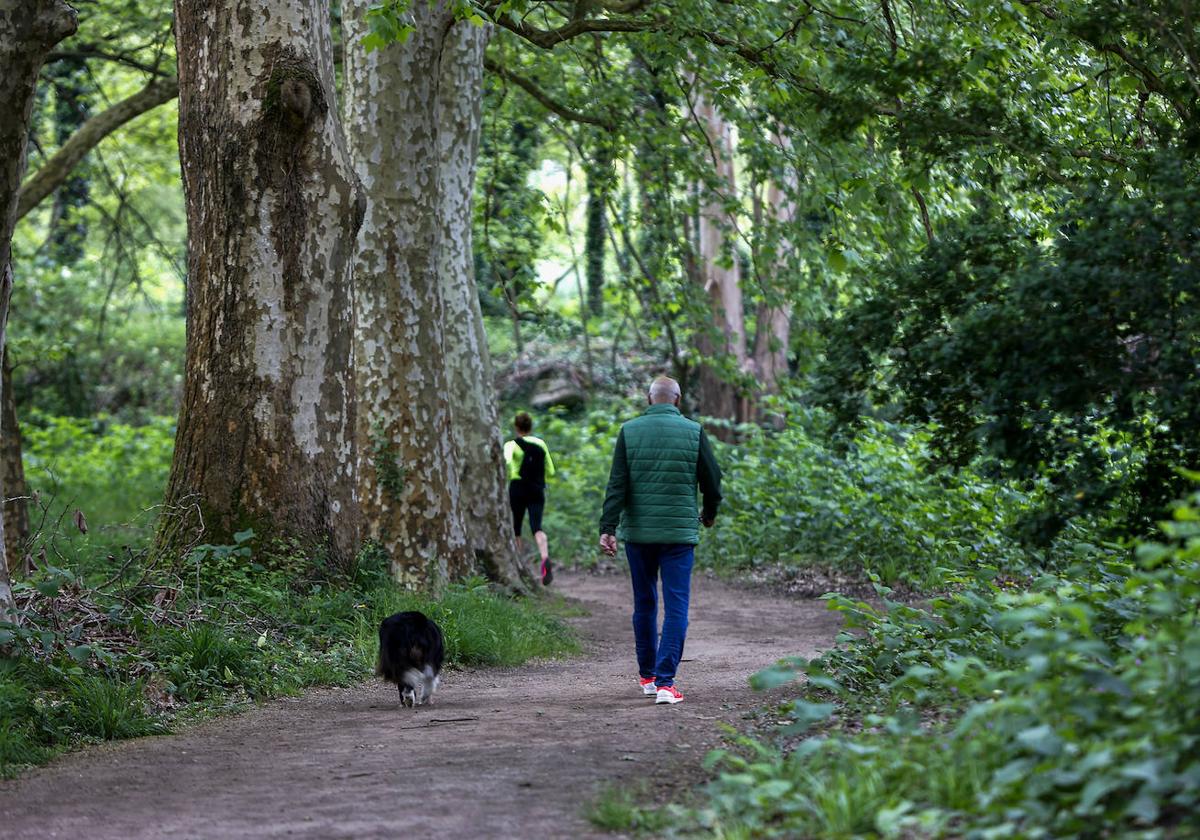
x=870 y=505
x=1062 y=708
x=802 y=498
x=113 y=473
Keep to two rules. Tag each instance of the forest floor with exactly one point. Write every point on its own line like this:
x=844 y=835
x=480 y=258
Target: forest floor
x=508 y=753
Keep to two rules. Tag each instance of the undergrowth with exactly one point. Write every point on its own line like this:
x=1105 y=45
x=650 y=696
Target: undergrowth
x=1061 y=704
x=803 y=498
x=226 y=627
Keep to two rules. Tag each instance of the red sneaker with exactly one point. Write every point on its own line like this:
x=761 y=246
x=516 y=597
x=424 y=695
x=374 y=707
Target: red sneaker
x=647 y=684
x=668 y=694
x=547 y=572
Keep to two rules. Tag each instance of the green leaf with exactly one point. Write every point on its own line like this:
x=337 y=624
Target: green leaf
x=805 y=714
x=1041 y=739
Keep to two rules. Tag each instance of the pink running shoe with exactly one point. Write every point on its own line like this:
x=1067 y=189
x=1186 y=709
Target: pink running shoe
x=647 y=684
x=668 y=694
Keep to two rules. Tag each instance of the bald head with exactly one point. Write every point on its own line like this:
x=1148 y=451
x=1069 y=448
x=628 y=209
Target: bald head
x=664 y=390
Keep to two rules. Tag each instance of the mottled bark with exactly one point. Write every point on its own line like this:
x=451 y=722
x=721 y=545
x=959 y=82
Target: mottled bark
x=12 y=475
x=29 y=29
x=475 y=424
x=719 y=274
x=409 y=472
x=266 y=427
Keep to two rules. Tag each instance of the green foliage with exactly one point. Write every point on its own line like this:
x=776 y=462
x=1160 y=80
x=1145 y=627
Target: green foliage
x=510 y=215
x=97 y=319
x=619 y=808
x=479 y=628
x=1072 y=359
x=389 y=472
x=801 y=498
x=582 y=451
x=1062 y=708
x=113 y=473
x=204 y=657
x=107 y=709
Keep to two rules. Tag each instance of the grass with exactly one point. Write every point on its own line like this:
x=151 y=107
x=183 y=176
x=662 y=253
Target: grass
x=108 y=709
x=616 y=808
x=154 y=675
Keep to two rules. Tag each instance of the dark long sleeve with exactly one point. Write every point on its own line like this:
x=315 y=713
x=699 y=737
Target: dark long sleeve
x=618 y=488
x=708 y=476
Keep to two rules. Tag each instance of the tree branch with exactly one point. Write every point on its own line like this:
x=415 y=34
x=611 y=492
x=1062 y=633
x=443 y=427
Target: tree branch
x=551 y=105
x=88 y=51
x=56 y=170
x=549 y=38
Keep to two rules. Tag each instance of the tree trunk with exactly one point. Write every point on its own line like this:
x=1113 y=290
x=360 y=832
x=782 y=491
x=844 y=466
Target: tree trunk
x=774 y=318
x=266 y=426
x=475 y=425
x=28 y=31
x=7 y=606
x=12 y=475
x=409 y=473
x=599 y=185
x=719 y=274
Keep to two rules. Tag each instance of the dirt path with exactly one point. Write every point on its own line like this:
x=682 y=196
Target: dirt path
x=349 y=763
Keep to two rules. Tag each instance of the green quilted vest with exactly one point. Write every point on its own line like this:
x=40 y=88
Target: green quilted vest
x=661 y=449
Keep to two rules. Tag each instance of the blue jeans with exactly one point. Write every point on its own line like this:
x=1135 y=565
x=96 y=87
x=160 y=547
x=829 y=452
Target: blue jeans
x=659 y=657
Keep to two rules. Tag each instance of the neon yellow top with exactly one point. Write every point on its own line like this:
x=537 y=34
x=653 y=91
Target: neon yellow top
x=513 y=456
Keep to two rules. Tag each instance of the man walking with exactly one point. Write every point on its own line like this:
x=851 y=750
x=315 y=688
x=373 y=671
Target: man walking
x=657 y=463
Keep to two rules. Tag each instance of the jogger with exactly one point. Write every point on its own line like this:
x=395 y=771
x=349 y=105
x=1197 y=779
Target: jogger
x=529 y=462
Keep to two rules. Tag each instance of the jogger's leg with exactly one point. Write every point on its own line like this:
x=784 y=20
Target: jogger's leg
x=643 y=574
x=676 y=566
x=543 y=545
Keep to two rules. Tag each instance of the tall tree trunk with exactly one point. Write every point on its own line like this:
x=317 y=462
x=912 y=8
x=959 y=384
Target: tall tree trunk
x=599 y=185
x=28 y=31
x=773 y=321
x=12 y=474
x=474 y=420
x=266 y=426
x=719 y=275
x=7 y=606
x=409 y=473
x=68 y=228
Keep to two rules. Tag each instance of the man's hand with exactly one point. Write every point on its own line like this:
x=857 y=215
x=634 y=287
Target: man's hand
x=608 y=544
x=707 y=523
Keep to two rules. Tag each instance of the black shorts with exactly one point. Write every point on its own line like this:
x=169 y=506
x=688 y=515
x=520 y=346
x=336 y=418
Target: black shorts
x=523 y=496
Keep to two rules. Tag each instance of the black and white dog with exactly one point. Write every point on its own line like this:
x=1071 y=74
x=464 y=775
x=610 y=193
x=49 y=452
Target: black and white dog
x=411 y=651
